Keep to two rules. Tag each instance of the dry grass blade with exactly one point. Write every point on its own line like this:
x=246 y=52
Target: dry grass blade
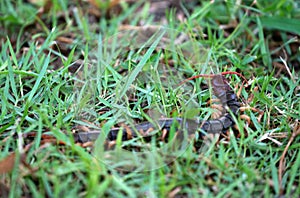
x=295 y=133
x=174 y=192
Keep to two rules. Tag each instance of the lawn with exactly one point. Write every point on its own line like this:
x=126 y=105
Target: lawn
x=75 y=67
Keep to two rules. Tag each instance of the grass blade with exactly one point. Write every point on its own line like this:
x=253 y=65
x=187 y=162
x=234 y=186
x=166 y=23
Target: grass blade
x=281 y=23
x=140 y=65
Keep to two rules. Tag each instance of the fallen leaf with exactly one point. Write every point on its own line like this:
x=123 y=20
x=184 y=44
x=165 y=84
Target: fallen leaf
x=7 y=164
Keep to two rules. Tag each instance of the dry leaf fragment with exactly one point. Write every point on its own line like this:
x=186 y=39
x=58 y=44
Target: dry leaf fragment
x=7 y=164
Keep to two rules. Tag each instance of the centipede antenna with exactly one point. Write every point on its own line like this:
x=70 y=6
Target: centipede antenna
x=236 y=73
x=197 y=76
x=212 y=75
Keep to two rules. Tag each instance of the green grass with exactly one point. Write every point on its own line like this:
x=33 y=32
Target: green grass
x=132 y=75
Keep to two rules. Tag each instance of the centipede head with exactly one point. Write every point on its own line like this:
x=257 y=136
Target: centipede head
x=220 y=85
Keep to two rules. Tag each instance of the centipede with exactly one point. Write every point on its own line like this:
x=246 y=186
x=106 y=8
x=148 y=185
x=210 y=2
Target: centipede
x=220 y=88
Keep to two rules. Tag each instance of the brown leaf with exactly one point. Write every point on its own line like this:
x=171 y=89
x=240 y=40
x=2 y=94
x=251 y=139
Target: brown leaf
x=7 y=164
x=98 y=3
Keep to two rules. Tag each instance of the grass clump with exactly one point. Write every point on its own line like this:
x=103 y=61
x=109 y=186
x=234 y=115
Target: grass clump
x=86 y=66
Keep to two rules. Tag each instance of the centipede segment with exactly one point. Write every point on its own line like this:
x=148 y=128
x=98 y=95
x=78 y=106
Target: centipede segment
x=221 y=90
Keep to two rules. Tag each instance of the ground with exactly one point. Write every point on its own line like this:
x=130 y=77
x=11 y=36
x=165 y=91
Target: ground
x=78 y=66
